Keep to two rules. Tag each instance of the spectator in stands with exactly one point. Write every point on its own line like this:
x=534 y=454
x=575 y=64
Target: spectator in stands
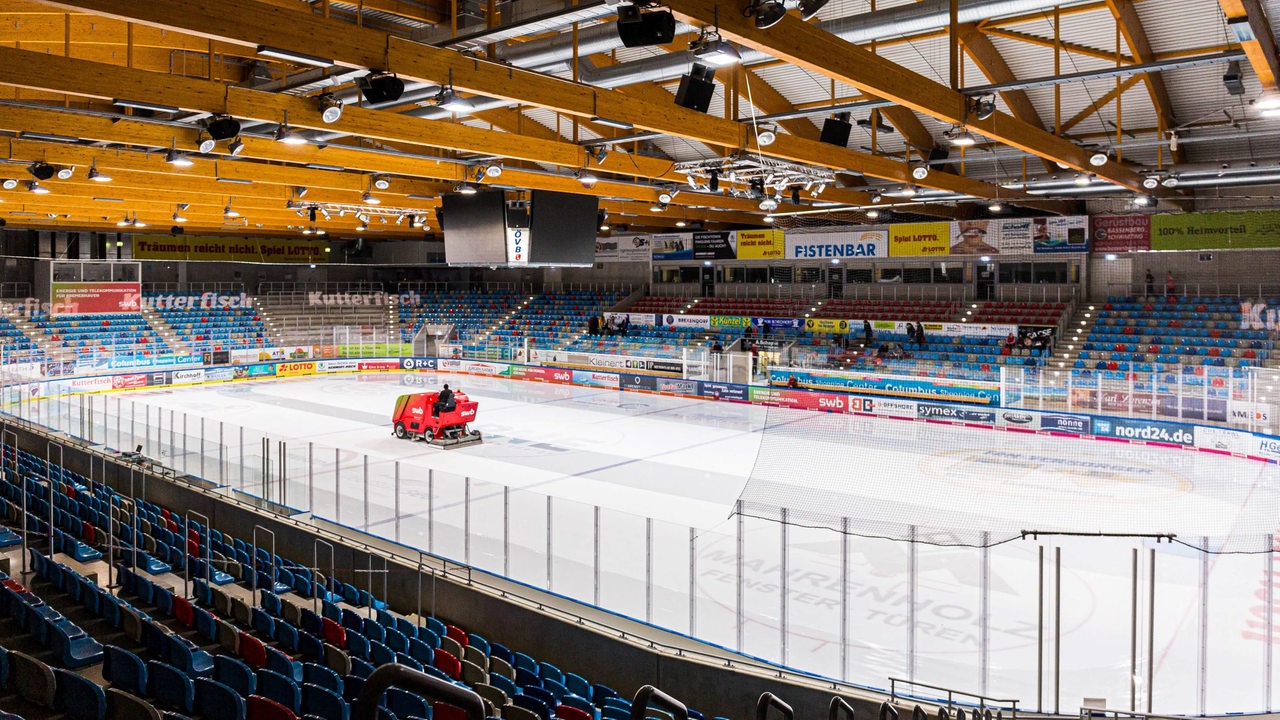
x=1168 y=284
x=755 y=359
x=792 y=382
x=867 y=335
x=1151 y=283
x=717 y=348
x=751 y=330
x=764 y=328
x=911 y=333
x=593 y=325
x=1011 y=340
x=625 y=326
x=920 y=341
x=444 y=401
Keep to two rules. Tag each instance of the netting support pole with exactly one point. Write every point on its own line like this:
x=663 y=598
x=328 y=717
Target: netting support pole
x=913 y=584
x=1151 y=630
x=506 y=531
x=693 y=583
x=1133 y=639
x=648 y=569
x=984 y=612
x=1057 y=631
x=1040 y=632
x=844 y=598
x=595 y=554
x=1269 y=559
x=550 y=541
x=431 y=510
x=739 y=540
x=1202 y=666
x=782 y=600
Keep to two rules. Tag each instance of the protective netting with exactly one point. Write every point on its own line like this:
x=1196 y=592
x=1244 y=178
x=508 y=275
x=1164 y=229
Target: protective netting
x=949 y=485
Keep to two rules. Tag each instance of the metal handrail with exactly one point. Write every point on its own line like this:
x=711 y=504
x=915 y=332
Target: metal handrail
x=768 y=700
x=394 y=674
x=984 y=701
x=650 y=695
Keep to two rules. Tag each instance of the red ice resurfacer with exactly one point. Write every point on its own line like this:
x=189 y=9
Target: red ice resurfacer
x=413 y=419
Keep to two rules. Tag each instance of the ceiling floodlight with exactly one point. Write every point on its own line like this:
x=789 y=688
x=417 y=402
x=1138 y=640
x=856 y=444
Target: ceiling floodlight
x=65 y=172
x=97 y=175
x=983 y=107
x=493 y=170
x=204 y=144
x=767 y=13
x=34 y=186
x=1151 y=182
x=768 y=204
x=810 y=8
x=381 y=182
x=1171 y=181
x=452 y=101
x=766 y=135
x=236 y=146
x=587 y=179
x=920 y=172
x=1099 y=159
x=330 y=108
x=712 y=50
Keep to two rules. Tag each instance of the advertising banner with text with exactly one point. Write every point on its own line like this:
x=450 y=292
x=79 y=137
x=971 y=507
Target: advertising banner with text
x=1060 y=234
x=854 y=242
x=625 y=247
x=761 y=245
x=713 y=246
x=93 y=298
x=165 y=247
x=1120 y=233
x=1207 y=231
x=920 y=239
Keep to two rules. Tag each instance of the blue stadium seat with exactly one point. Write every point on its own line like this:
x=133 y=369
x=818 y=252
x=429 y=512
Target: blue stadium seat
x=79 y=697
x=124 y=670
x=215 y=700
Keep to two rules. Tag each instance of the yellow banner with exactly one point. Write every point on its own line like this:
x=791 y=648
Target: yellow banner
x=228 y=249
x=920 y=239
x=761 y=245
x=295 y=368
x=826 y=325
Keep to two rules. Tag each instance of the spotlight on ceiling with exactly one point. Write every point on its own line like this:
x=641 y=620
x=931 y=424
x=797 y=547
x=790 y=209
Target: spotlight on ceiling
x=9 y=184
x=667 y=195
x=767 y=13
x=330 y=108
x=41 y=170
x=229 y=212
x=1171 y=181
x=658 y=207
x=369 y=198
x=493 y=170
x=223 y=127
x=768 y=204
x=600 y=154
x=920 y=172
x=177 y=159
x=449 y=100
x=960 y=137
x=809 y=8
x=1083 y=180
x=909 y=191
x=289 y=136
x=996 y=207
x=766 y=135
x=602 y=220
x=65 y=172
x=587 y=179
x=1143 y=200
x=467 y=189
x=204 y=144
x=179 y=217
x=983 y=106
x=236 y=146
x=1099 y=159
x=97 y=175
x=1151 y=182
x=709 y=48
x=381 y=182
x=873 y=213
x=380 y=87
x=34 y=186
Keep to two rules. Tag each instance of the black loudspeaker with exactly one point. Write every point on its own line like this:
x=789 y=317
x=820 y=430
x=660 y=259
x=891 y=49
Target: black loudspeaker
x=835 y=132
x=380 y=88
x=176 y=230
x=637 y=29
x=697 y=88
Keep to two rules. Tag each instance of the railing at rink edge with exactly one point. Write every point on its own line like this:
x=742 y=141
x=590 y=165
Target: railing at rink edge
x=702 y=583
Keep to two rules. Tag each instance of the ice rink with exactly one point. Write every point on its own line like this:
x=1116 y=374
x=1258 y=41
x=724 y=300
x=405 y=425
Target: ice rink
x=665 y=474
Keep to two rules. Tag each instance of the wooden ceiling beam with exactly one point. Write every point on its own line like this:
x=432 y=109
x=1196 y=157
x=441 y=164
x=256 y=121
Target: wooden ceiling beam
x=251 y=23
x=819 y=51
